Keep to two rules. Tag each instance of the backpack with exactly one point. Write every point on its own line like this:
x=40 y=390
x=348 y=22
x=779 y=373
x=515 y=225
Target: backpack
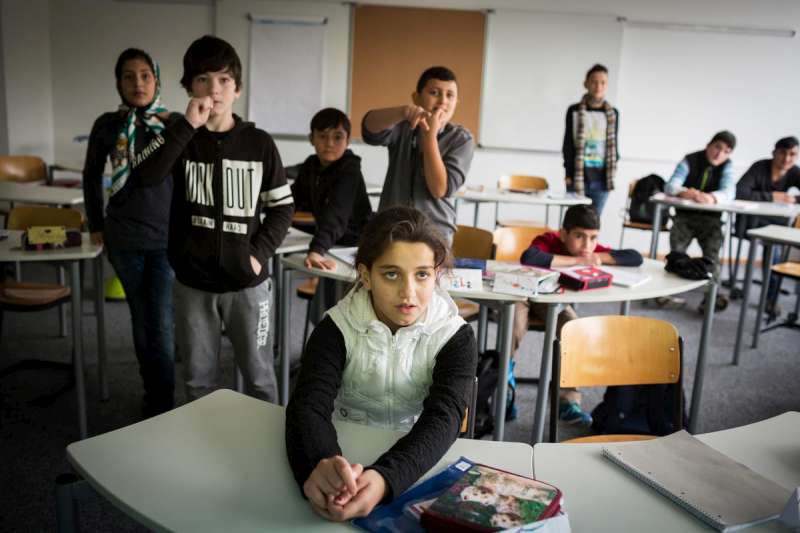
x=487 y=372
x=638 y=409
x=641 y=209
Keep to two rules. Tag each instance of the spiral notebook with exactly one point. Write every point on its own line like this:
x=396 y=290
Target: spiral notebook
x=723 y=493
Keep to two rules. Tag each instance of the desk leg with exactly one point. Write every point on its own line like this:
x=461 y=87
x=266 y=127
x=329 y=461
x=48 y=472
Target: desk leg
x=62 y=310
x=77 y=342
x=729 y=239
x=504 y=332
x=475 y=216
x=283 y=317
x=545 y=371
x=625 y=308
x=277 y=277
x=100 y=316
x=748 y=280
x=700 y=369
x=762 y=304
x=656 y=230
x=483 y=326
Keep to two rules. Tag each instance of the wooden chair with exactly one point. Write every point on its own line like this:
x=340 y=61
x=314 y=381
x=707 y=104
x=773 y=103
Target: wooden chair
x=628 y=223
x=468 y=422
x=303 y=218
x=616 y=350
x=33 y=169
x=510 y=242
x=24 y=297
x=791 y=270
x=526 y=184
x=472 y=243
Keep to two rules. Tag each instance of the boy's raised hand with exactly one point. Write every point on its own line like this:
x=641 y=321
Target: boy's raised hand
x=198 y=110
x=435 y=121
x=417 y=116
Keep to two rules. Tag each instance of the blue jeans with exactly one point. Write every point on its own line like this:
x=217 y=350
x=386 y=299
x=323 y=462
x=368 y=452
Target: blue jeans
x=147 y=279
x=596 y=190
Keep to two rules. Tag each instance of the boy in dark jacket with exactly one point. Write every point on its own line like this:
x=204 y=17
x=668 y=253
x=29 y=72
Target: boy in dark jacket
x=226 y=174
x=330 y=185
x=575 y=244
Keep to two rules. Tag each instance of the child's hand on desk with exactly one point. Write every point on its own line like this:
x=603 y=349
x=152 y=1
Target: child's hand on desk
x=96 y=238
x=371 y=490
x=705 y=198
x=417 y=116
x=589 y=260
x=198 y=110
x=315 y=260
x=782 y=197
x=331 y=479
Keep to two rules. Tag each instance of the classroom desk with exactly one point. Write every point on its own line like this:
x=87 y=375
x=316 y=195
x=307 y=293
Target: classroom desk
x=769 y=236
x=295 y=241
x=10 y=251
x=40 y=194
x=744 y=207
x=661 y=283
x=219 y=464
x=504 y=303
x=601 y=496
x=496 y=196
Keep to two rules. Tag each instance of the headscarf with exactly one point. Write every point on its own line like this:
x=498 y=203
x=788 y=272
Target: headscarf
x=123 y=153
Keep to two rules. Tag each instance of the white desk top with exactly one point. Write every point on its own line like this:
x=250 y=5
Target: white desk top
x=219 y=464
x=744 y=207
x=295 y=241
x=40 y=194
x=10 y=250
x=600 y=496
x=345 y=272
x=776 y=234
x=661 y=283
x=538 y=198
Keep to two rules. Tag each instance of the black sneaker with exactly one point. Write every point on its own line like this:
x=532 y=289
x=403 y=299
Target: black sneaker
x=721 y=304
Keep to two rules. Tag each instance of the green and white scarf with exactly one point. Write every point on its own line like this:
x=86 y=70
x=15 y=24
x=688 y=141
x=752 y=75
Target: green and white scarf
x=611 y=145
x=123 y=154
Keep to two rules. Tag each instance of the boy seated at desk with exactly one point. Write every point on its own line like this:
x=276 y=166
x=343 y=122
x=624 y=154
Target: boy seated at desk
x=575 y=244
x=704 y=177
x=769 y=180
x=330 y=185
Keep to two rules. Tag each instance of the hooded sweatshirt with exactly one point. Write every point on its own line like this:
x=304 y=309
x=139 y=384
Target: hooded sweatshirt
x=355 y=369
x=223 y=182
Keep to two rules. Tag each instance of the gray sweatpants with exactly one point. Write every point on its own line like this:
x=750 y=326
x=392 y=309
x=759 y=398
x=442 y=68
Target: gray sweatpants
x=199 y=316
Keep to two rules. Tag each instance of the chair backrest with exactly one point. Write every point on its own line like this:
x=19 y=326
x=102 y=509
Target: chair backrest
x=618 y=350
x=511 y=241
x=23 y=217
x=22 y=168
x=523 y=183
x=474 y=243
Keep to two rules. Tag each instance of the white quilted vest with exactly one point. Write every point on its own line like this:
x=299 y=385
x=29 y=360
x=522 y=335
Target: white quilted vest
x=386 y=377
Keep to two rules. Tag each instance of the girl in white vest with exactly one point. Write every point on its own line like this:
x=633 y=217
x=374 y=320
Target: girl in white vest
x=392 y=353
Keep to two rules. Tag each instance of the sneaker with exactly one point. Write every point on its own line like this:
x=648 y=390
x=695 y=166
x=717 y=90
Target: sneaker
x=721 y=304
x=670 y=302
x=773 y=311
x=571 y=413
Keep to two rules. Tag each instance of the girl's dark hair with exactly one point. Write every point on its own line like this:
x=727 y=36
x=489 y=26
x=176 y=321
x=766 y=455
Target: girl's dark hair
x=127 y=55
x=404 y=224
x=210 y=54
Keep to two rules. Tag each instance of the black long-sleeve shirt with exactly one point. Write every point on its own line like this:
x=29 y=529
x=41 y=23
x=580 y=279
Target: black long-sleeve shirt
x=756 y=185
x=223 y=182
x=311 y=436
x=337 y=197
x=137 y=216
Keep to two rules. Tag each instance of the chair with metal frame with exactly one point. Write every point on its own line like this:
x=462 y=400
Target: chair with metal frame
x=627 y=223
x=525 y=184
x=22 y=297
x=616 y=350
x=471 y=243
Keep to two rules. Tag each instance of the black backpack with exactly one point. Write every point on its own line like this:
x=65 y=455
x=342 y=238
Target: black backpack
x=642 y=210
x=487 y=372
x=638 y=409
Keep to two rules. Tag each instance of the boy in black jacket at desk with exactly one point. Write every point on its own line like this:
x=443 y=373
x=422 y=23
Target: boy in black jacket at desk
x=575 y=244
x=330 y=185
x=227 y=173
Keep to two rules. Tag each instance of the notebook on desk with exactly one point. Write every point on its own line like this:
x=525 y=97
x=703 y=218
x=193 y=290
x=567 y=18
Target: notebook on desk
x=723 y=493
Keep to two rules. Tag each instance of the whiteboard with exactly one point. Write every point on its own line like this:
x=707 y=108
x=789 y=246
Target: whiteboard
x=534 y=69
x=285 y=83
x=679 y=88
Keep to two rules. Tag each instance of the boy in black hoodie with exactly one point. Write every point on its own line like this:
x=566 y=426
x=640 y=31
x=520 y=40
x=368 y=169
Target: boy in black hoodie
x=330 y=185
x=226 y=174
